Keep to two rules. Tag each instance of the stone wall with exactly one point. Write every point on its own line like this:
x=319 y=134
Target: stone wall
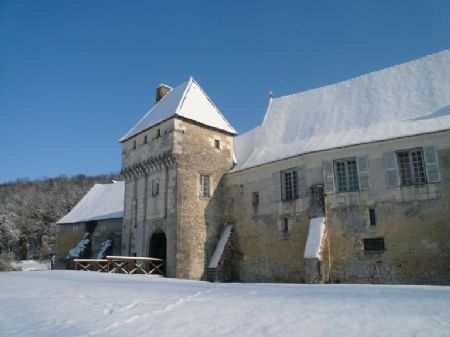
x=176 y=158
x=199 y=219
x=413 y=220
x=149 y=169
x=70 y=234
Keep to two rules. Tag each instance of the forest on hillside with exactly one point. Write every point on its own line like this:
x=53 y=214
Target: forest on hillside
x=29 y=211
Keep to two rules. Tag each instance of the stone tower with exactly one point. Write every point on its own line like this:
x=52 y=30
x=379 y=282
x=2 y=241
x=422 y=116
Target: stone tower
x=173 y=161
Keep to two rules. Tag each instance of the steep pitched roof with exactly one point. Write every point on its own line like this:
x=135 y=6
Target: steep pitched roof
x=187 y=100
x=404 y=100
x=103 y=201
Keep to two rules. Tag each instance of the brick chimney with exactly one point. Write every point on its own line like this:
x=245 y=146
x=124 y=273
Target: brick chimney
x=161 y=91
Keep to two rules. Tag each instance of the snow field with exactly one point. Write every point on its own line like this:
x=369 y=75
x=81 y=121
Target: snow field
x=74 y=303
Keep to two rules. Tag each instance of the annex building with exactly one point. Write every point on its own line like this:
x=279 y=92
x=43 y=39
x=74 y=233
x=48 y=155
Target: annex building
x=345 y=183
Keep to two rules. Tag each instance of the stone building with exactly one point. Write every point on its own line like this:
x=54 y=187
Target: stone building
x=345 y=183
x=95 y=224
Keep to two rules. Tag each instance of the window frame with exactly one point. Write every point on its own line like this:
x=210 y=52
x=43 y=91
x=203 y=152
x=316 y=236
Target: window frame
x=217 y=144
x=255 y=199
x=408 y=166
x=348 y=183
x=155 y=187
x=374 y=246
x=204 y=185
x=289 y=185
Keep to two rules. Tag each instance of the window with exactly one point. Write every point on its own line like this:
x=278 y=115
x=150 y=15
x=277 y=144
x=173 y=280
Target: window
x=255 y=199
x=290 y=185
x=372 y=217
x=155 y=187
x=285 y=225
x=411 y=167
x=374 y=245
x=346 y=175
x=217 y=144
x=204 y=185
x=158 y=133
x=134 y=144
x=145 y=139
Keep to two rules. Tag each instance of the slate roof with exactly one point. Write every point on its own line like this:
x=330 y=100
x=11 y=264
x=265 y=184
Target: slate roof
x=103 y=201
x=187 y=100
x=404 y=100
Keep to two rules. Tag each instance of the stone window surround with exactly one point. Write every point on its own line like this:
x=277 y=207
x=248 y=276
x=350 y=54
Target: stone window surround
x=289 y=184
x=411 y=167
x=350 y=174
x=204 y=185
x=374 y=245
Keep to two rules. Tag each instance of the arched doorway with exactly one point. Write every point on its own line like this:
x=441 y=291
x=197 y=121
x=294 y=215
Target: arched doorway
x=158 y=247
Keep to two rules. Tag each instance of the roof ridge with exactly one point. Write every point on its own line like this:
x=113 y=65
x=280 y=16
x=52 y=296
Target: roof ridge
x=365 y=74
x=212 y=103
x=183 y=97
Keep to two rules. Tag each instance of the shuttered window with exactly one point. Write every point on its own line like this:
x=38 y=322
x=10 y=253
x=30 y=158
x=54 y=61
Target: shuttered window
x=411 y=167
x=346 y=175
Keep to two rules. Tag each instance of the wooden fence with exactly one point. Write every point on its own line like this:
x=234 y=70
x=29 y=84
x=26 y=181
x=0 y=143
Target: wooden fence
x=122 y=265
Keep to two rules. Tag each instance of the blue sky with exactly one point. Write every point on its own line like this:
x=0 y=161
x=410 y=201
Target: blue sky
x=77 y=75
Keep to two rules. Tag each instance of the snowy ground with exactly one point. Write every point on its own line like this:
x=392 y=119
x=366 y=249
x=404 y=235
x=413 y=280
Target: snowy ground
x=31 y=265
x=74 y=303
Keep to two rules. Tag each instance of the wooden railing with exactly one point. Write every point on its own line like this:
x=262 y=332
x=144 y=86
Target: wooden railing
x=122 y=265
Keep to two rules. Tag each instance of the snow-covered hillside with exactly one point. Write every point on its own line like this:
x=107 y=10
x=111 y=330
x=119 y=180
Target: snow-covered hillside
x=73 y=303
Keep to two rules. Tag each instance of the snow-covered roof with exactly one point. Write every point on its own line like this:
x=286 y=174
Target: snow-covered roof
x=213 y=263
x=314 y=240
x=187 y=100
x=103 y=201
x=404 y=100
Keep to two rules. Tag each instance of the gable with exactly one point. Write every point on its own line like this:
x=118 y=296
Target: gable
x=188 y=100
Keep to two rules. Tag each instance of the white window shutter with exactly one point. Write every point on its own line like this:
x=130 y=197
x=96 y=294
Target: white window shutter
x=432 y=165
x=390 y=165
x=276 y=180
x=328 y=176
x=301 y=176
x=363 y=172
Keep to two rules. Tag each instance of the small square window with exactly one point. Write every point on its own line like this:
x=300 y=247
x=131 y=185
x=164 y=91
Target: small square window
x=204 y=185
x=217 y=144
x=374 y=245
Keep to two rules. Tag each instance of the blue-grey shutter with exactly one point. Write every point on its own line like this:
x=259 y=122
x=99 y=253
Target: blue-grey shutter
x=390 y=165
x=328 y=176
x=432 y=164
x=301 y=176
x=363 y=172
x=276 y=182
